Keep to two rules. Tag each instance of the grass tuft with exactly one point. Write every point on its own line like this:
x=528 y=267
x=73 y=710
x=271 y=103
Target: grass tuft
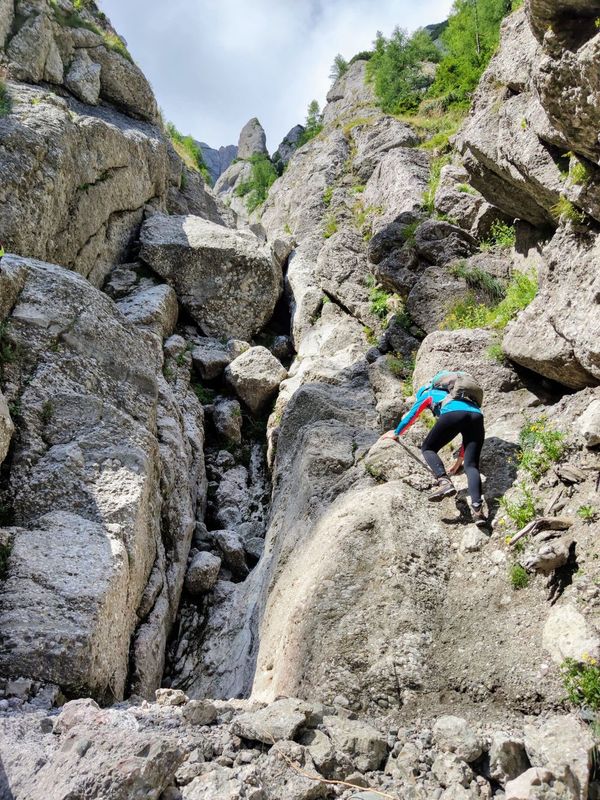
x=541 y=446
x=519 y=578
x=581 y=680
x=521 y=510
x=501 y=235
x=565 y=210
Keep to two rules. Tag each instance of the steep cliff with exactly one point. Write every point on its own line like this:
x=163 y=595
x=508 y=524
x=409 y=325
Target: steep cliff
x=193 y=491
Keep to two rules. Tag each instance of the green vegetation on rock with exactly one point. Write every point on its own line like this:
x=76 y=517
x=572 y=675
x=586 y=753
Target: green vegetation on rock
x=519 y=578
x=188 y=151
x=541 y=446
x=469 y=313
x=521 y=510
x=469 y=41
x=262 y=177
x=501 y=235
x=581 y=680
x=5 y=102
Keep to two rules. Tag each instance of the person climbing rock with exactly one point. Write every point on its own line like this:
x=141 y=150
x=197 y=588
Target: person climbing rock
x=455 y=399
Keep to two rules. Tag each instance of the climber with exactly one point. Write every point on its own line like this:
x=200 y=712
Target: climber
x=456 y=404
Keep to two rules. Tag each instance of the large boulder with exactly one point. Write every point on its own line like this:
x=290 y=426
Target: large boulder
x=224 y=278
x=101 y=753
x=558 y=334
x=255 y=377
x=568 y=635
x=82 y=213
x=98 y=425
x=563 y=745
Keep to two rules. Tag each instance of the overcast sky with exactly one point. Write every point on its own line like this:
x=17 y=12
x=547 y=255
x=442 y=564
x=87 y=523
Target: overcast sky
x=214 y=64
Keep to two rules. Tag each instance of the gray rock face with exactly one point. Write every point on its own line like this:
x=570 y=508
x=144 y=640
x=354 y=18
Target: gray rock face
x=350 y=96
x=227 y=282
x=590 y=424
x=397 y=184
x=537 y=102
x=288 y=146
x=6 y=428
x=462 y=204
x=440 y=242
x=217 y=161
x=99 y=753
x=252 y=141
x=7 y=11
x=80 y=213
x=255 y=377
x=83 y=78
x=84 y=476
x=558 y=333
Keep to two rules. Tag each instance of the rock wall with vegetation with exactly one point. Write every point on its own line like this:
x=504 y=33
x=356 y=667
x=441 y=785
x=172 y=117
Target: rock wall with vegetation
x=196 y=508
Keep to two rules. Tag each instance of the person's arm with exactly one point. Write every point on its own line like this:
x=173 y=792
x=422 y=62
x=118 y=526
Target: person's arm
x=426 y=401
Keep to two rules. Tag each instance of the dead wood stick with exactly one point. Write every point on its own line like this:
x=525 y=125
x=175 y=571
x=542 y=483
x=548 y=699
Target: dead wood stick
x=553 y=502
x=319 y=779
x=540 y=524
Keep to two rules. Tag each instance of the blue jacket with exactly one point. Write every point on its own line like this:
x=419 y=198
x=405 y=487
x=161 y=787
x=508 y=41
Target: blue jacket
x=431 y=398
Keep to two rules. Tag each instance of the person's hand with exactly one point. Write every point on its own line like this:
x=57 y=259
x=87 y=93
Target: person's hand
x=390 y=435
x=456 y=467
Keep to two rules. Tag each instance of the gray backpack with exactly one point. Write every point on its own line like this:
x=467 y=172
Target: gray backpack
x=460 y=386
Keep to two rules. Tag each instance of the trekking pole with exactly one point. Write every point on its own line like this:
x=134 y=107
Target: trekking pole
x=414 y=456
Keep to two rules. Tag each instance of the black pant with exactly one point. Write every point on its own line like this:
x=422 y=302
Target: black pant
x=449 y=425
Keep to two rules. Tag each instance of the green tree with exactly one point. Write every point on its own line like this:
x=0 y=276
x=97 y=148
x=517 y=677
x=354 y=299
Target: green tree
x=470 y=40
x=313 y=124
x=338 y=68
x=395 y=69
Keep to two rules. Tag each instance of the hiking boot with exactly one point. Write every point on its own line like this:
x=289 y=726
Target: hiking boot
x=478 y=516
x=445 y=488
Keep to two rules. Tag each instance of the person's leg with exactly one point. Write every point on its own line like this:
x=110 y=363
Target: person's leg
x=445 y=429
x=473 y=436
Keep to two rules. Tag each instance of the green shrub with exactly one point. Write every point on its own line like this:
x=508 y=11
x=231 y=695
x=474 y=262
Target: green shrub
x=519 y=578
x=188 y=151
x=327 y=195
x=522 y=510
x=578 y=172
x=263 y=175
x=116 y=44
x=395 y=69
x=519 y=293
x=541 y=446
x=5 y=101
x=501 y=235
x=466 y=313
x=565 y=210
x=469 y=313
x=587 y=513
x=479 y=279
x=496 y=353
x=465 y=188
x=313 y=124
x=205 y=395
x=581 y=680
x=370 y=336
x=379 y=299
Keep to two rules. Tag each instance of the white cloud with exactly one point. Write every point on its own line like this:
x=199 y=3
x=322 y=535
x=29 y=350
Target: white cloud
x=216 y=63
